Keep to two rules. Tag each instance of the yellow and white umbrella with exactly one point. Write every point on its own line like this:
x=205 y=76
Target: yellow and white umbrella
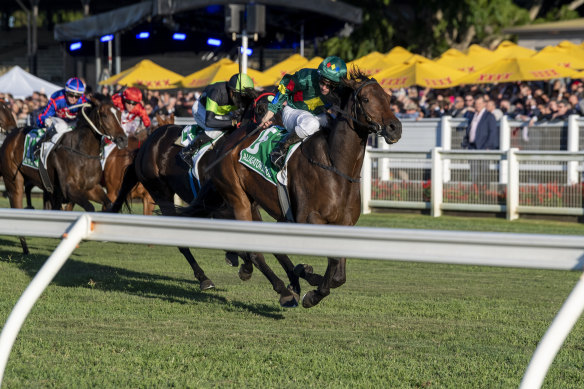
x=398 y=55
x=371 y=63
x=146 y=74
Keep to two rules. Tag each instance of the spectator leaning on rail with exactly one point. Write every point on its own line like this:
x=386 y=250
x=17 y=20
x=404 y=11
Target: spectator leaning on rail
x=63 y=106
x=133 y=113
x=302 y=98
x=219 y=107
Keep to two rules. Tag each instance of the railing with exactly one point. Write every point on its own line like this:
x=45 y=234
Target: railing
x=510 y=181
x=456 y=247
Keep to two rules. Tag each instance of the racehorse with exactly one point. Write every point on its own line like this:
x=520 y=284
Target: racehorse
x=323 y=175
x=7 y=121
x=74 y=164
x=161 y=170
x=119 y=160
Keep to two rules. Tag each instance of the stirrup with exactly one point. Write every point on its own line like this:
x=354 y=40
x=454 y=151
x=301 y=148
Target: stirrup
x=278 y=157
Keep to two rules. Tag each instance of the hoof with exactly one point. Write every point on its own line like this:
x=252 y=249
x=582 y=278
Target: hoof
x=207 y=284
x=231 y=259
x=289 y=301
x=294 y=289
x=244 y=274
x=310 y=299
x=302 y=269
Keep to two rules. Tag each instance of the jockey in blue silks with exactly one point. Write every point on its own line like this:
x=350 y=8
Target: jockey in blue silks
x=59 y=107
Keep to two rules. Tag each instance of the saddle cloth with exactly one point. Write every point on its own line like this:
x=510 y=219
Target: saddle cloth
x=257 y=156
x=31 y=139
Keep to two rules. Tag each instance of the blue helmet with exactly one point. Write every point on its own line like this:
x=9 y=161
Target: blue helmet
x=75 y=85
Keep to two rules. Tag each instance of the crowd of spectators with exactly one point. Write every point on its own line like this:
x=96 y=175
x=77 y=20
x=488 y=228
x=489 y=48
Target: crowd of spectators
x=529 y=102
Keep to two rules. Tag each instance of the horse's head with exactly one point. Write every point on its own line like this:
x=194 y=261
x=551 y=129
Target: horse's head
x=105 y=120
x=371 y=108
x=7 y=121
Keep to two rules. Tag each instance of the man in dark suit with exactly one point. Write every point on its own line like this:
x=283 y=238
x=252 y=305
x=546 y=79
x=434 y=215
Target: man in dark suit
x=482 y=133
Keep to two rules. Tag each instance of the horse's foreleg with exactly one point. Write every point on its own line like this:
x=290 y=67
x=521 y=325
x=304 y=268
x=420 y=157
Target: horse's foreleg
x=205 y=282
x=334 y=275
x=287 y=297
x=15 y=189
x=97 y=194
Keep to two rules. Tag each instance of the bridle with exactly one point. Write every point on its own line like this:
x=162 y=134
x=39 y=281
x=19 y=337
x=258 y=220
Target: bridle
x=99 y=121
x=255 y=103
x=372 y=127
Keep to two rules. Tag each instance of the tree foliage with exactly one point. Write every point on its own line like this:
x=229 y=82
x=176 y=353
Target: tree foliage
x=433 y=26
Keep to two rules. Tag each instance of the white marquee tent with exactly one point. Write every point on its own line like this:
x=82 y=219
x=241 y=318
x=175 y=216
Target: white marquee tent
x=21 y=84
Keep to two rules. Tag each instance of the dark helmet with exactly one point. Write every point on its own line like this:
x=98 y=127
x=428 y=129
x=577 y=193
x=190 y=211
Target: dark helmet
x=239 y=82
x=75 y=86
x=333 y=68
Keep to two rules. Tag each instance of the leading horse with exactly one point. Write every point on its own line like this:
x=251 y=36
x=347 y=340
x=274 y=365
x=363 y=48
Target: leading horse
x=161 y=170
x=323 y=175
x=73 y=166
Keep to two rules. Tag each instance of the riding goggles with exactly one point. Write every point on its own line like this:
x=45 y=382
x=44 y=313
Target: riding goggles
x=328 y=83
x=76 y=95
x=130 y=102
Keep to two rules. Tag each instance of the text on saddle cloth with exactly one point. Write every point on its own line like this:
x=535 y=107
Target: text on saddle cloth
x=257 y=156
x=188 y=134
x=30 y=141
x=195 y=174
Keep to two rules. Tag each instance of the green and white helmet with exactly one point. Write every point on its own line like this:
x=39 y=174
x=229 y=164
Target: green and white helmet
x=239 y=82
x=333 y=68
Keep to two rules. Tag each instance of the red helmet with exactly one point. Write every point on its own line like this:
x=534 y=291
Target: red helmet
x=133 y=94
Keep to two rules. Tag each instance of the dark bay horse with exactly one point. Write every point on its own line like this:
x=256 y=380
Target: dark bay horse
x=161 y=170
x=73 y=166
x=323 y=175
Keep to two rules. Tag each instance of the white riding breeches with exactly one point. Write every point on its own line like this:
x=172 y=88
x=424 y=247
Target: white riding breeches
x=303 y=123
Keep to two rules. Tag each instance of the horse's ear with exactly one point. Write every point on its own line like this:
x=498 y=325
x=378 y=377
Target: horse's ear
x=350 y=82
x=95 y=100
x=171 y=119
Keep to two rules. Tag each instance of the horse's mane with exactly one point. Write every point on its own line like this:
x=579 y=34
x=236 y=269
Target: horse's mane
x=357 y=74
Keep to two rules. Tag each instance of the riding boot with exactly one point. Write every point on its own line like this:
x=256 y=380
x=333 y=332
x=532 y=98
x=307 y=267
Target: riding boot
x=278 y=155
x=48 y=135
x=188 y=151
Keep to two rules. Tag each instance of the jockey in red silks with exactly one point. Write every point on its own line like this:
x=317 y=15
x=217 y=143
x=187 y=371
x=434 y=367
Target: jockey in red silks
x=133 y=113
x=63 y=107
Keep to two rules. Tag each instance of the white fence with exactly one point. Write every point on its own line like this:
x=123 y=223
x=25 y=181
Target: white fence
x=512 y=181
x=477 y=248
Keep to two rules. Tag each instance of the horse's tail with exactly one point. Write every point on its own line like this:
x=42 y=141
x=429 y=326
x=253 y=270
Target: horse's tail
x=128 y=183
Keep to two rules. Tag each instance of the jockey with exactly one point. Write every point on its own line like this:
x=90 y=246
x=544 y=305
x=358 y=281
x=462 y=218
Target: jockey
x=219 y=107
x=301 y=98
x=133 y=113
x=59 y=107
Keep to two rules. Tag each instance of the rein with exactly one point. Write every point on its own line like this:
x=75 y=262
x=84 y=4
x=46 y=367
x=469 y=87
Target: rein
x=331 y=168
x=93 y=127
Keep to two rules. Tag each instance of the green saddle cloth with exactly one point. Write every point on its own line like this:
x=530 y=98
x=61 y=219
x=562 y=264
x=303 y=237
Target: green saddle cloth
x=31 y=139
x=257 y=155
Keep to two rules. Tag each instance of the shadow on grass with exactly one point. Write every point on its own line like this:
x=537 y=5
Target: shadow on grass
x=116 y=279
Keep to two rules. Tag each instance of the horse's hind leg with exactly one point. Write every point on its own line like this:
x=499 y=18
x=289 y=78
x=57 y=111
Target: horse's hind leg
x=287 y=297
x=15 y=189
x=334 y=276
x=205 y=282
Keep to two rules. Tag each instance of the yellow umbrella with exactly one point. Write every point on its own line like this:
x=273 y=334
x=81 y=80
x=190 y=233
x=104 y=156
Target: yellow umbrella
x=562 y=56
x=507 y=49
x=145 y=74
x=456 y=59
x=517 y=69
x=371 y=63
x=421 y=72
x=313 y=63
x=398 y=55
x=222 y=71
x=287 y=66
x=478 y=57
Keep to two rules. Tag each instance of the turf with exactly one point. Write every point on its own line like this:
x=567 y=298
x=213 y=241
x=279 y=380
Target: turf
x=123 y=315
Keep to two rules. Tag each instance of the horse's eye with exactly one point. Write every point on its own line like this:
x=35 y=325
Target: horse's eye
x=365 y=100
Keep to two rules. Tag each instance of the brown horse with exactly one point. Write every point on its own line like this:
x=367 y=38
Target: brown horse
x=73 y=166
x=323 y=175
x=7 y=121
x=119 y=160
x=159 y=167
